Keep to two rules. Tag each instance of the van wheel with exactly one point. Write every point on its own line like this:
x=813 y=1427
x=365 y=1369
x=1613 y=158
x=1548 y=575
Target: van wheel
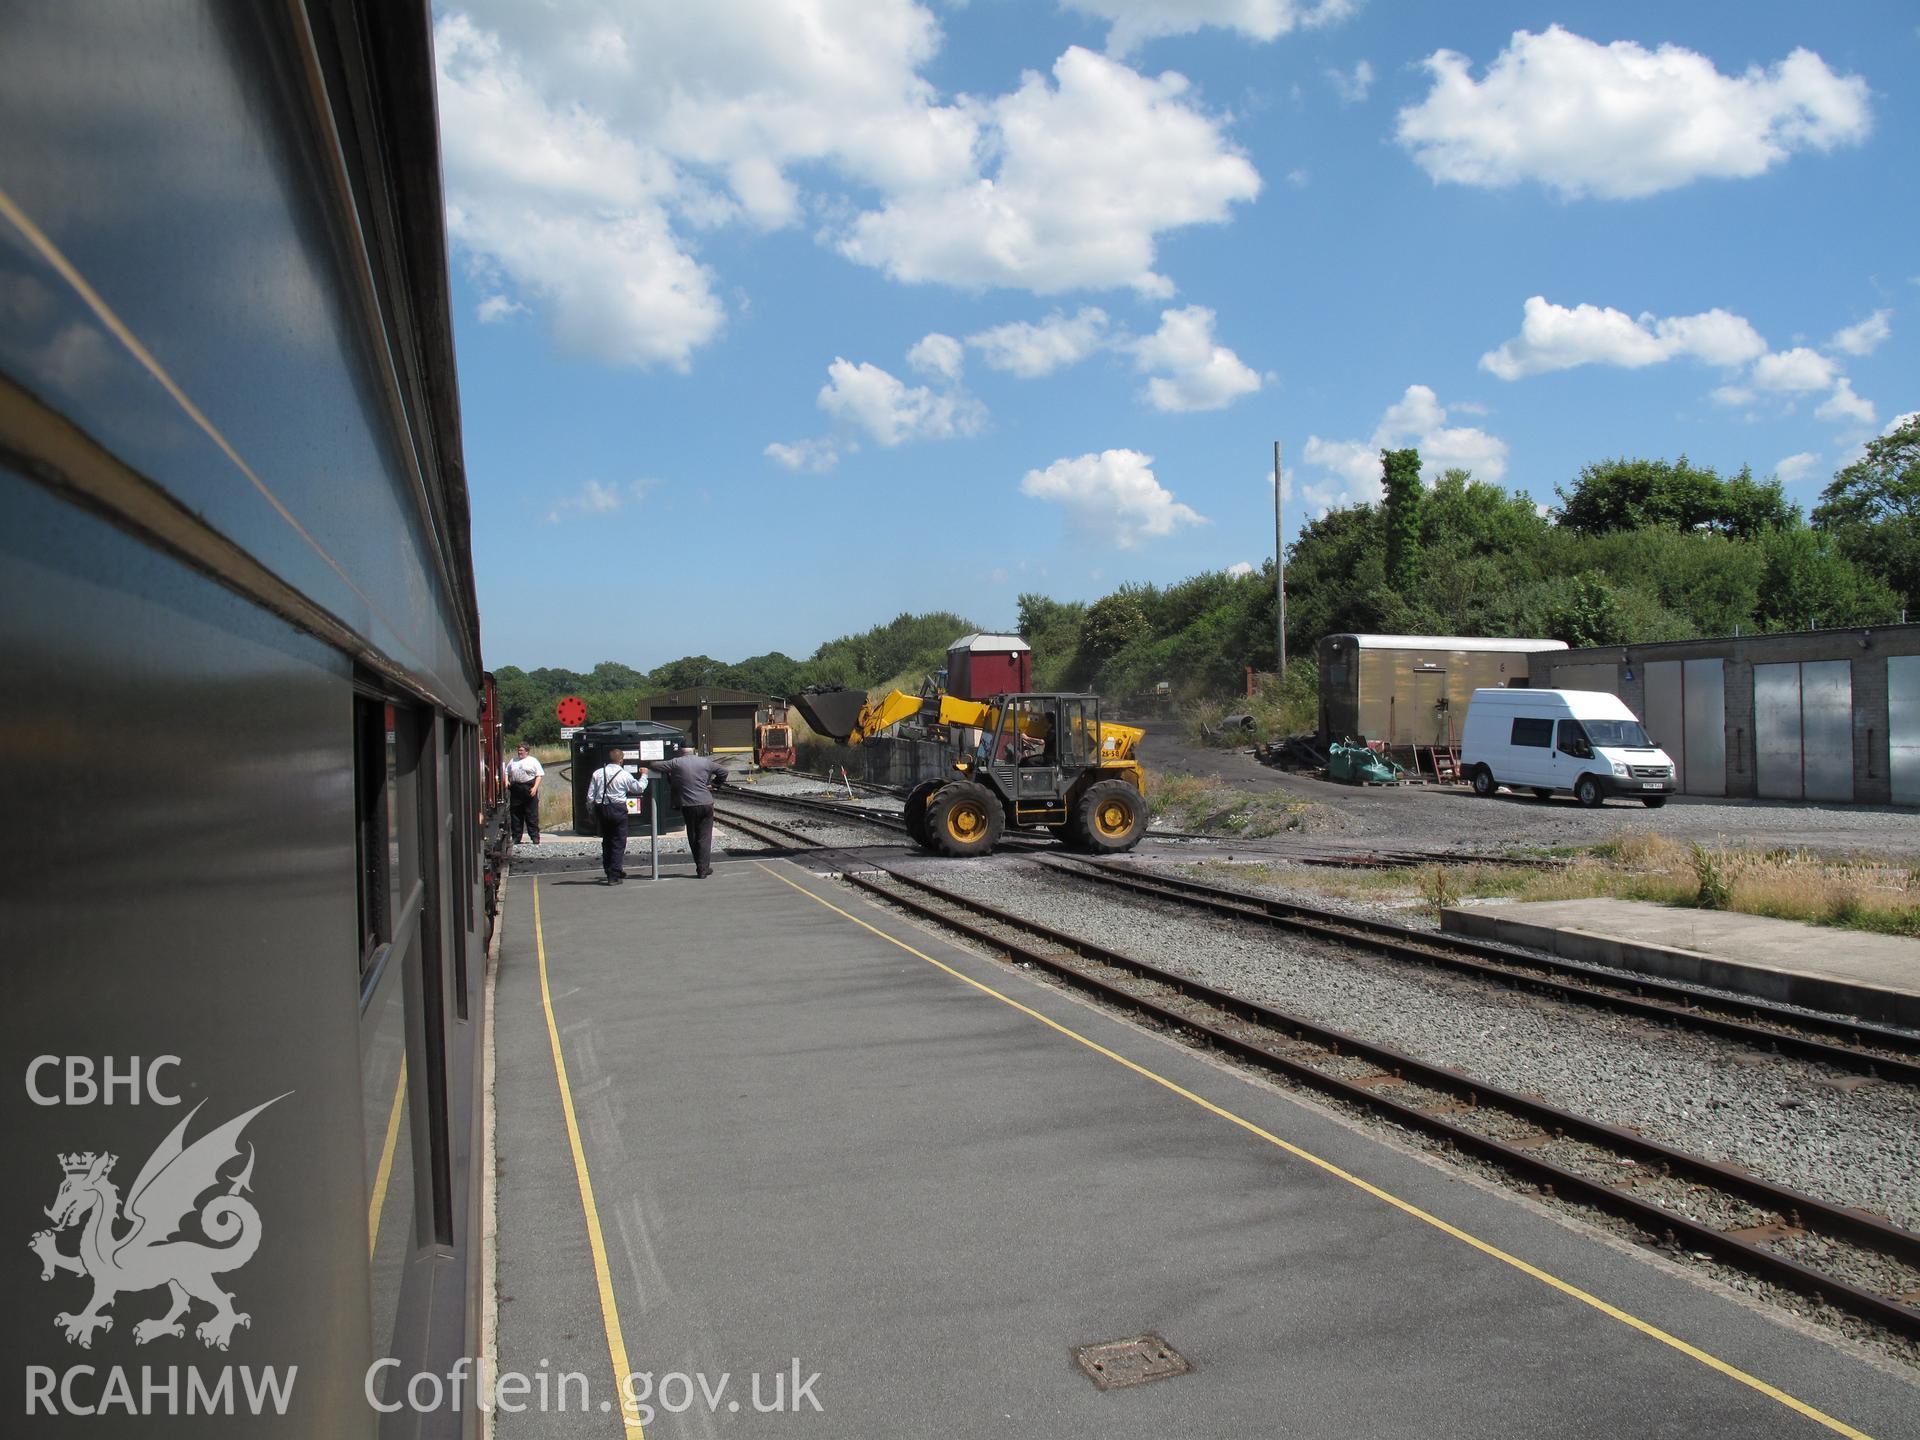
x=1653 y=802
x=1588 y=792
x=1542 y=792
x=1483 y=782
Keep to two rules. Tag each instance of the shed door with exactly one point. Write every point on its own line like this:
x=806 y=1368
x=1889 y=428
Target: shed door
x=1666 y=717
x=681 y=717
x=732 y=726
x=1705 y=740
x=1826 y=727
x=1427 y=725
x=1903 y=728
x=1776 y=731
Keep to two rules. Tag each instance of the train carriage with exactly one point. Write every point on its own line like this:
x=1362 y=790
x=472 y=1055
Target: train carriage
x=253 y=752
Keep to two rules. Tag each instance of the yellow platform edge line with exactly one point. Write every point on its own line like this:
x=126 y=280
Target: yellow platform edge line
x=1567 y=1288
x=596 y=1241
x=384 y=1176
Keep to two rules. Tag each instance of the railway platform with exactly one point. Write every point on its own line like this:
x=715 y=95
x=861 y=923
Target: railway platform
x=1876 y=977
x=755 y=1130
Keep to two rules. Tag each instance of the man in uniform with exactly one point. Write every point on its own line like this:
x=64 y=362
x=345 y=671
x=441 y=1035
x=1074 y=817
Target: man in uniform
x=608 y=791
x=524 y=774
x=693 y=777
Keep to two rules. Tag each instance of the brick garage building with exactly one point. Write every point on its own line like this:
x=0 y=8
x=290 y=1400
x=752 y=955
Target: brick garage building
x=715 y=721
x=1813 y=715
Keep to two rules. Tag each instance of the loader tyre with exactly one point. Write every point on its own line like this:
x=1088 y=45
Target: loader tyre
x=963 y=819
x=1110 y=817
x=915 y=812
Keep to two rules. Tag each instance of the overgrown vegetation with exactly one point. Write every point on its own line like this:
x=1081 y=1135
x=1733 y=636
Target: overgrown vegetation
x=1636 y=550
x=1859 y=893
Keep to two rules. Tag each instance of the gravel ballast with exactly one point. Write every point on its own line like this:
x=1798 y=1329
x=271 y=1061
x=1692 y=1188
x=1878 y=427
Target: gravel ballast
x=1781 y=1118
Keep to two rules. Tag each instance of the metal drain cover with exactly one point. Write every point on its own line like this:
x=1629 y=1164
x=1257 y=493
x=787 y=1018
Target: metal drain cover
x=1112 y=1364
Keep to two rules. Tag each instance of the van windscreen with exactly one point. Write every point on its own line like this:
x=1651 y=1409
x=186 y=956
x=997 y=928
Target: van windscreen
x=1621 y=734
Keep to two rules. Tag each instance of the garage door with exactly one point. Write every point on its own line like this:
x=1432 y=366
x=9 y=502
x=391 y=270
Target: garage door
x=681 y=717
x=1803 y=729
x=1903 y=727
x=732 y=727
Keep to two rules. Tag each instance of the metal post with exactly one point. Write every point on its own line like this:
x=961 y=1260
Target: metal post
x=1279 y=566
x=653 y=824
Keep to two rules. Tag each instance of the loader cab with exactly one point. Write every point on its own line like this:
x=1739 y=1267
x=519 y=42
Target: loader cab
x=1039 y=748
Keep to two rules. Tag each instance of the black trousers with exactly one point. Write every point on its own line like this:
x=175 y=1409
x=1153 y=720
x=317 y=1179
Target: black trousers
x=699 y=820
x=613 y=838
x=523 y=809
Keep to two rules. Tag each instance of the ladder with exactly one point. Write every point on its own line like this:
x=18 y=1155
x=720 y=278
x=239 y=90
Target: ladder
x=1445 y=760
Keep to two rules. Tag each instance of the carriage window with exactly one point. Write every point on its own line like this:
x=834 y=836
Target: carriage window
x=376 y=838
x=1537 y=733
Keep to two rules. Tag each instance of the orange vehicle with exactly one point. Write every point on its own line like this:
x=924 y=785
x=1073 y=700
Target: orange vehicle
x=773 y=739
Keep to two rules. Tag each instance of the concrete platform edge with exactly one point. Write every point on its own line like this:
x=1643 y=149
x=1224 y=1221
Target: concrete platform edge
x=1673 y=963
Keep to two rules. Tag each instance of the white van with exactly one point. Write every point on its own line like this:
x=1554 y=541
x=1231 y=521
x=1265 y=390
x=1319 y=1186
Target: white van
x=1583 y=741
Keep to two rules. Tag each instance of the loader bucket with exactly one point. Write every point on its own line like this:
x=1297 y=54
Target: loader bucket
x=831 y=713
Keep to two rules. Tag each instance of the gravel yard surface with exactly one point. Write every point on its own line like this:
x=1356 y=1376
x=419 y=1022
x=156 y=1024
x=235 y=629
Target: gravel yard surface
x=1448 y=817
x=1789 y=1121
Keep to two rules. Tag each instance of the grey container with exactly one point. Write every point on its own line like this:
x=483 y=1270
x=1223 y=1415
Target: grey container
x=590 y=746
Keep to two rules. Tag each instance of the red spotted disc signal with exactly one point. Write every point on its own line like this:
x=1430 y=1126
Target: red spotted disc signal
x=572 y=711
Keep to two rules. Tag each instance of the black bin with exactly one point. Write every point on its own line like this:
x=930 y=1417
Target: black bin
x=641 y=740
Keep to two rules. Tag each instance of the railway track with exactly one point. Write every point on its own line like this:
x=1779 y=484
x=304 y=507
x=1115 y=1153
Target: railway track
x=1854 y=1046
x=1279 y=848
x=1798 y=1241
x=1782 y=1235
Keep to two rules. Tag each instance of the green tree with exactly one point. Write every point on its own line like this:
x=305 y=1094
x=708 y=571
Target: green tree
x=1401 y=478
x=1112 y=623
x=1585 y=611
x=1872 y=510
x=1806 y=582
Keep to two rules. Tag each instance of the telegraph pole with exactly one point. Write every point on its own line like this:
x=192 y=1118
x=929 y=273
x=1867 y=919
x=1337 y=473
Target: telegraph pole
x=1279 y=567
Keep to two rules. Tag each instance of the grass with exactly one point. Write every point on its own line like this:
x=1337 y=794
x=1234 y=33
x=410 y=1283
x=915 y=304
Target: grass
x=1187 y=802
x=1850 y=893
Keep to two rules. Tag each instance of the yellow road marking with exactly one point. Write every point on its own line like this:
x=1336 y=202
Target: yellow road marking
x=1654 y=1332
x=385 y=1173
x=603 y=1277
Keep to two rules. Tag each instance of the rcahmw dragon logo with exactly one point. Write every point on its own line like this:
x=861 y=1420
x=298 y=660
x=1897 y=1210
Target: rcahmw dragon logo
x=145 y=1255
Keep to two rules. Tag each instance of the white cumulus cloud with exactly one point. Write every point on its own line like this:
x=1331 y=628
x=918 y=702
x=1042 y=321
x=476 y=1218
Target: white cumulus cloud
x=1843 y=404
x=1864 y=338
x=1351 y=86
x=1620 y=121
x=1089 y=170
x=1031 y=349
x=596 y=497
x=818 y=455
x=1240 y=567
x=1418 y=419
x=890 y=412
x=1134 y=21
x=1795 y=370
x=590 y=145
x=1794 y=468
x=1186 y=369
x=1112 y=497
x=938 y=355
x=1554 y=337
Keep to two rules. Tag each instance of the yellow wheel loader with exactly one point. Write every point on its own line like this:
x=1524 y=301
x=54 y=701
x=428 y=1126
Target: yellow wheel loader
x=1041 y=762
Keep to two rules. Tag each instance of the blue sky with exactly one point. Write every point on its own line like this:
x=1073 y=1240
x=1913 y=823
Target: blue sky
x=778 y=317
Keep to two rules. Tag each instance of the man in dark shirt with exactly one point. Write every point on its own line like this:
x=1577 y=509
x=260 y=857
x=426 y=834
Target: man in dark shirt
x=693 y=777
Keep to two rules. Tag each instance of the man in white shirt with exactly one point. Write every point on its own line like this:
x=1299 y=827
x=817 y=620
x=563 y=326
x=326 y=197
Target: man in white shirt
x=608 y=791
x=524 y=774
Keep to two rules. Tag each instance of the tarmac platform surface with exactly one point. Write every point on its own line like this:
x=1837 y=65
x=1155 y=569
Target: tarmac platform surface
x=757 y=1125
x=1847 y=972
